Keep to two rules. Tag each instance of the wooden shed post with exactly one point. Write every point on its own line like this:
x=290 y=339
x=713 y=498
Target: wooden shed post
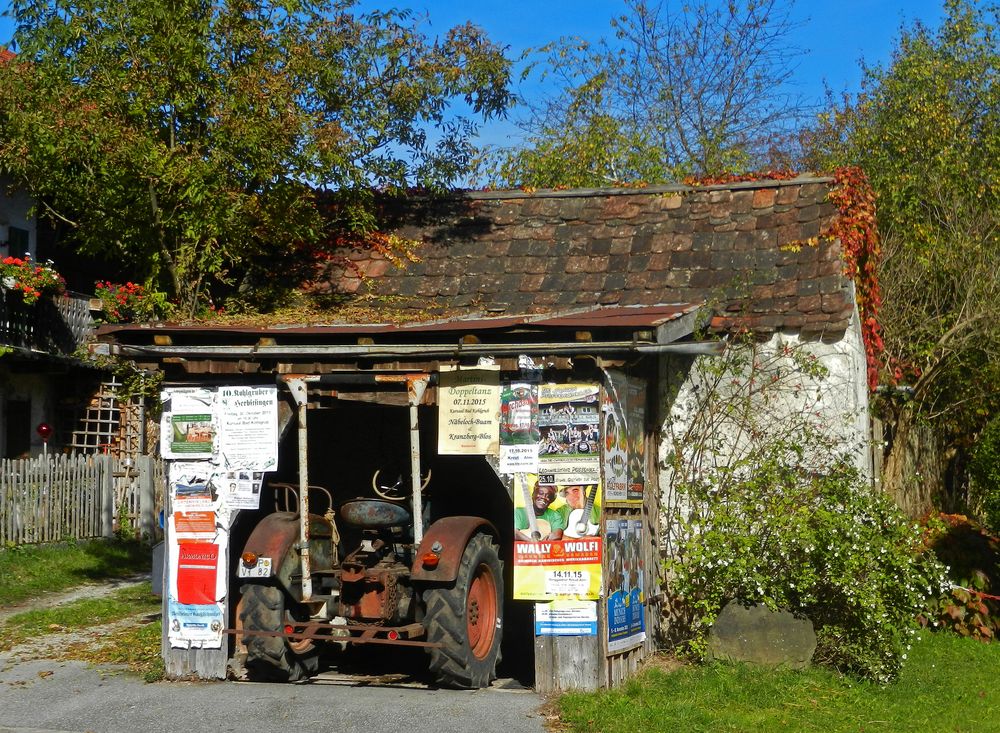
x=568 y=663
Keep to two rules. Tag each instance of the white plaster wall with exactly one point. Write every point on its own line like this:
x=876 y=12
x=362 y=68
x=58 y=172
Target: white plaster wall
x=838 y=403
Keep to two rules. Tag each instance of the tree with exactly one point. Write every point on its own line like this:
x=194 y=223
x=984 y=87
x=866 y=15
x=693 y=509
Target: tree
x=187 y=138
x=695 y=91
x=927 y=130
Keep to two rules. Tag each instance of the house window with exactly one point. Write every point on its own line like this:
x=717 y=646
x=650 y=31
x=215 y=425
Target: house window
x=18 y=241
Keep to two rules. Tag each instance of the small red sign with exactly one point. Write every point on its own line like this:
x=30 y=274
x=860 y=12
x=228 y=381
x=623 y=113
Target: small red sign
x=196 y=572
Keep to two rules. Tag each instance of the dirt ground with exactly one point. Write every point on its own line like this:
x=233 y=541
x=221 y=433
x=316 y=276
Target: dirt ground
x=53 y=646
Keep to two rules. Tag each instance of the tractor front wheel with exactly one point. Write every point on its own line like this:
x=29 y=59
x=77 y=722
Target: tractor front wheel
x=466 y=619
x=268 y=609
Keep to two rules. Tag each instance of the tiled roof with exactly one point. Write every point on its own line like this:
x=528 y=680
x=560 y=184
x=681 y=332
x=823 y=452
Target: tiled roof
x=752 y=250
x=6 y=55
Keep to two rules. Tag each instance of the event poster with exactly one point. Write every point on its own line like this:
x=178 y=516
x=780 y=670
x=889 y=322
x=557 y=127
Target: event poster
x=190 y=487
x=248 y=427
x=625 y=585
x=240 y=489
x=569 y=427
x=548 y=565
x=469 y=411
x=519 y=433
x=197 y=564
x=636 y=408
x=198 y=625
x=624 y=458
x=551 y=569
x=566 y=618
x=189 y=428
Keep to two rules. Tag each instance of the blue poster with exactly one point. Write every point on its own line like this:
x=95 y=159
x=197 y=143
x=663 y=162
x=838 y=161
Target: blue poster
x=625 y=592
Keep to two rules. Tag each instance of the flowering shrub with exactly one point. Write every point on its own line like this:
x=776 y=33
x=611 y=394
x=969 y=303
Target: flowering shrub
x=130 y=302
x=767 y=507
x=32 y=281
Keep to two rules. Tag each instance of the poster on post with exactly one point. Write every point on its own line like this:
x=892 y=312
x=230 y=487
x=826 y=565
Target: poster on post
x=196 y=588
x=240 y=489
x=548 y=565
x=519 y=433
x=194 y=625
x=190 y=486
x=623 y=407
x=248 y=427
x=547 y=570
x=569 y=428
x=566 y=618
x=469 y=411
x=625 y=592
x=188 y=428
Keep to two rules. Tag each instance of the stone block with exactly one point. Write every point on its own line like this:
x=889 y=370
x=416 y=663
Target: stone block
x=759 y=635
x=763 y=198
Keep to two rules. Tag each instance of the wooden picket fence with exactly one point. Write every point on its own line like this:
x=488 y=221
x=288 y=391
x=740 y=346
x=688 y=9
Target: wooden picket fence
x=59 y=498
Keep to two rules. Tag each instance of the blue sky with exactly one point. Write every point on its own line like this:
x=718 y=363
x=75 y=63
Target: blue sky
x=835 y=35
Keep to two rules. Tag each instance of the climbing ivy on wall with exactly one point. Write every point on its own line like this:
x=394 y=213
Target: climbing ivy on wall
x=856 y=229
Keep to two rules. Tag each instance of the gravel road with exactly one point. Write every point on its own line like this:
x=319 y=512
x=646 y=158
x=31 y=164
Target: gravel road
x=40 y=695
x=49 y=696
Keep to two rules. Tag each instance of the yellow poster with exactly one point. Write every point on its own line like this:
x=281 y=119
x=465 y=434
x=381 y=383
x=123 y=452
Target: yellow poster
x=469 y=411
x=558 y=569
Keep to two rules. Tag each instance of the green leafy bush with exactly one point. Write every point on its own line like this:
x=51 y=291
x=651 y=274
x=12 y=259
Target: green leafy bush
x=984 y=468
x=970 y=605
x=768 y=507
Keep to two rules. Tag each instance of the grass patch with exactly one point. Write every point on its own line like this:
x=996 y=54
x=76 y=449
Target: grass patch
x=79 y=615
x=137 y=646
x=28 y=571
x=948 y=683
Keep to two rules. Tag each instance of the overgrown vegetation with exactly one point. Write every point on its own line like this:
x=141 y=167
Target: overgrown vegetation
x=768 y=507
x=29 y=571
x=948 y=684
x=926 y=129
x=984 y=470
x=971 y=605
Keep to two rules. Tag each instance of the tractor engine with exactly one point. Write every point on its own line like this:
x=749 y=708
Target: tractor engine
x=374 y=583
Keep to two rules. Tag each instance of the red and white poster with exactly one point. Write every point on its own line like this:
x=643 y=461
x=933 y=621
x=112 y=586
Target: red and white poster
x=197 y=570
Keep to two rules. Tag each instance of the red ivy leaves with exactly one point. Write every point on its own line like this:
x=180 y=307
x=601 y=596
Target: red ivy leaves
x=862 y=251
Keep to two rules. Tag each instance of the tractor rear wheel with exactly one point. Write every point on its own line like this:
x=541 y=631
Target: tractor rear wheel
x=268 y=608
x=466 y=619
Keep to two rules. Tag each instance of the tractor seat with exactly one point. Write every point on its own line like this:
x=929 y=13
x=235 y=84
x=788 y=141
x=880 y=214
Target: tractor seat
x=374 y=513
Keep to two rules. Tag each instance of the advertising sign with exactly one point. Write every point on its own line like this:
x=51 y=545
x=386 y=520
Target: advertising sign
x=469 y=411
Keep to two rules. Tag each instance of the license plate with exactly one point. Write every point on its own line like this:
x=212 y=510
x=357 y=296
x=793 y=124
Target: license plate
x=260 y=569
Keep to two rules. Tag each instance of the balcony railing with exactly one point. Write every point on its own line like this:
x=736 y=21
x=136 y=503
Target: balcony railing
x=57 y=325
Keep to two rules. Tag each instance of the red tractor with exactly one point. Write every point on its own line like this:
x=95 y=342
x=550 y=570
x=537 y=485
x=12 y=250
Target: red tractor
x=391 y=580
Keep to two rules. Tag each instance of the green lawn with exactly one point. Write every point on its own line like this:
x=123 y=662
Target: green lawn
x=948 y=684
x=29 y=571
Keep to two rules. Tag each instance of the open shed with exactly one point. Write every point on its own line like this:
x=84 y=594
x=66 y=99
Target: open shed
x=614 y=293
